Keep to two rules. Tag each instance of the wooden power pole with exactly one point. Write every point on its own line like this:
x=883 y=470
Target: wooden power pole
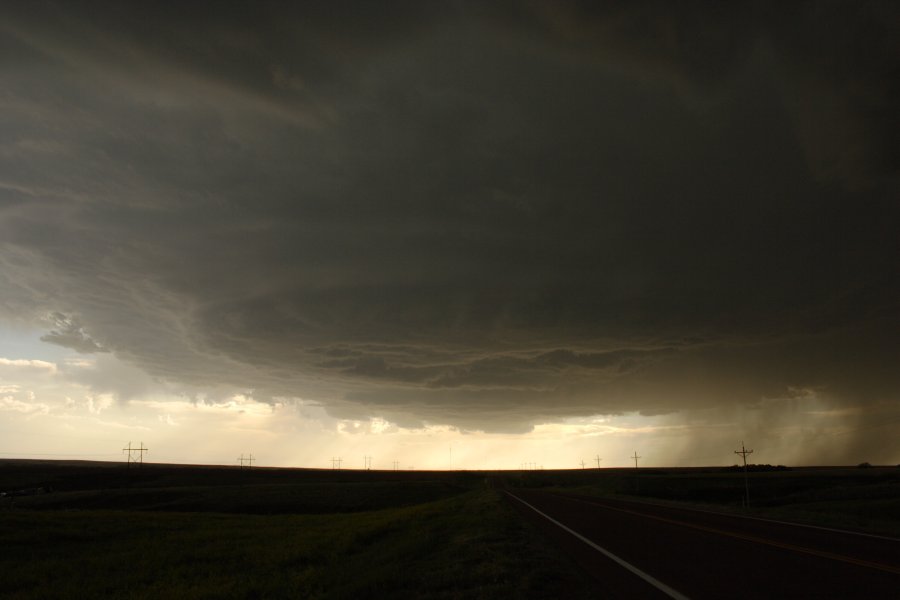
x=744 y=452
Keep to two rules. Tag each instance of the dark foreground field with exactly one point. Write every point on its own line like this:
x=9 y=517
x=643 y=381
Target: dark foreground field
x=202 y=532
x=97 y=529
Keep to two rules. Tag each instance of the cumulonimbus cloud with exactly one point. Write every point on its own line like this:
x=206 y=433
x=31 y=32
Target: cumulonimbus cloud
x=461 y=216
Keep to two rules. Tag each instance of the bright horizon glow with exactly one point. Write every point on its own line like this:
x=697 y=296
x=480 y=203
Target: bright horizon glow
x=50 y=407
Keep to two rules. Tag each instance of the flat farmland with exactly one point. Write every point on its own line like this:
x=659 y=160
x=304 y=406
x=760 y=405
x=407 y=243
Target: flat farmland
x=73 y=529
x=203 y=532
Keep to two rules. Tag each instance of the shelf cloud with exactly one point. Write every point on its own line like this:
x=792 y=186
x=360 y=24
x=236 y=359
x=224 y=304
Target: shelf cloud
x=485 y=217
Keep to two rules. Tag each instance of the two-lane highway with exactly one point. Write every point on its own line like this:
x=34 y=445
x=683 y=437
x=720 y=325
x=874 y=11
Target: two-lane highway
x=645 y=550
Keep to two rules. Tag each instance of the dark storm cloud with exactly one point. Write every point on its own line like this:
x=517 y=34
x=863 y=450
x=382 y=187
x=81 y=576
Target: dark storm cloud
x=486 y=217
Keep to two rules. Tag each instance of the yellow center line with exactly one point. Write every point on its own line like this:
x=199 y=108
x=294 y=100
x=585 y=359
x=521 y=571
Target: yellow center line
x=752 y=538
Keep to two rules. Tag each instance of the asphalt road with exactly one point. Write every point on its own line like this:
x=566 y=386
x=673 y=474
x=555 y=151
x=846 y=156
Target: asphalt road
x=698 y=555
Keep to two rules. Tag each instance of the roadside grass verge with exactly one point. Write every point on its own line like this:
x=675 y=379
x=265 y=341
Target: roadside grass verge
x=470 y=545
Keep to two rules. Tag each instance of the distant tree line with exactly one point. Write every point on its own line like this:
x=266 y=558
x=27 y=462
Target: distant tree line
x=759 y=468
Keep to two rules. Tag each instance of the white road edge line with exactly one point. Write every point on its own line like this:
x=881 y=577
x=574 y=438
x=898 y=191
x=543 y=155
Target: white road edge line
x=648 y=578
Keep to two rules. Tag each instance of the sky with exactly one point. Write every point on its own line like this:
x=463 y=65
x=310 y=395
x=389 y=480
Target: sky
x=450 y=235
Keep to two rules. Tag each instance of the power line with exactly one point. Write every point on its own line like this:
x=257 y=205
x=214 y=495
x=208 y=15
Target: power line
x=140 y=452
x=744 y=452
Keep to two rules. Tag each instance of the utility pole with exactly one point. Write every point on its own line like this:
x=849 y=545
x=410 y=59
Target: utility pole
x=140 y=451
x=598 y=459
x=744 y=452
x=636 y=457
x=396 y=464
x=248 y=460
x=451 y=456
x=368 y=462
x=582 y=463
x=336 y=463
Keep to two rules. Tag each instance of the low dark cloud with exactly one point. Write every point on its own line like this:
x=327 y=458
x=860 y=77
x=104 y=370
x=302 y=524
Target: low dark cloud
x=486 y=217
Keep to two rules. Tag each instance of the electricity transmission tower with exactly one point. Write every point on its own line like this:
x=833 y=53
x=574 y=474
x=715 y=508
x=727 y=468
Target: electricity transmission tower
x=336 y=463
x=744 y=452
x=249 y=460
x=598 y=459
x=140 y=452
x=636 y=457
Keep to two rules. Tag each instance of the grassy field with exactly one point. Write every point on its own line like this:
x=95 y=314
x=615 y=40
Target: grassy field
x=414 y=536
x=100 y=530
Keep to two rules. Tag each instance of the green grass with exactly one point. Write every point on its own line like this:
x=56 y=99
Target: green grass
x=212 y=532
x=471 y=545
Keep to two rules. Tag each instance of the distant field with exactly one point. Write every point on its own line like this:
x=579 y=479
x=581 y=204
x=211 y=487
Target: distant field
x=862 y=499
x=223 y=489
